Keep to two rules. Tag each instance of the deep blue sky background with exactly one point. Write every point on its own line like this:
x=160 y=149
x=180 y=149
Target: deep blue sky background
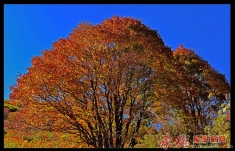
x=30 y=29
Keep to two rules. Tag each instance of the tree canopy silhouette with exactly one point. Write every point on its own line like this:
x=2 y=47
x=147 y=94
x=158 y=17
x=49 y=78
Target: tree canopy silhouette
x=109 y=83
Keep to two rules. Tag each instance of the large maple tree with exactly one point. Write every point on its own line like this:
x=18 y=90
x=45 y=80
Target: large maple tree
x=106 y=83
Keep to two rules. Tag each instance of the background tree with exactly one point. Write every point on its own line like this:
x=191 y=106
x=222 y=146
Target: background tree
x=204 y=90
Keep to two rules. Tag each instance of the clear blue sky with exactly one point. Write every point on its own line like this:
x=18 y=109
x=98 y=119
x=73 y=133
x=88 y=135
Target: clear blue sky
x=29 y=29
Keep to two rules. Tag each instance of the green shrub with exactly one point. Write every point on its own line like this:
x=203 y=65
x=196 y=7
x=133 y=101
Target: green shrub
x=11 y=107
